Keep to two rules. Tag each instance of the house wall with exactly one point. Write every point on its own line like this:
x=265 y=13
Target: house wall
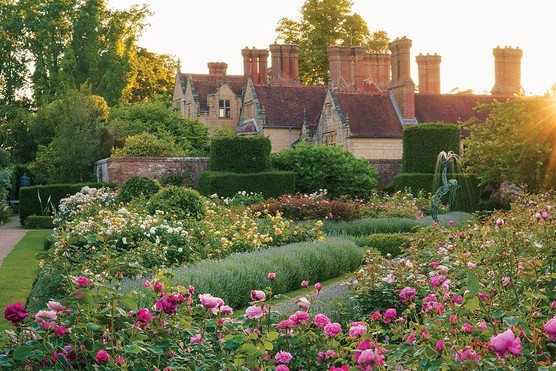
x=215 y=122
x=376 y=148
x=281 y=138
x=118 y=169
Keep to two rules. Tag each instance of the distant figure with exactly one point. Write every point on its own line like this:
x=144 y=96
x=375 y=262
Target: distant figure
x=25 y=181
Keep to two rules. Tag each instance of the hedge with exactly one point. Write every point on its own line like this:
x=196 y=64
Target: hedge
x=423 y=142
x=30 y=204
x=240 y=154
x=233 y=278
x=225 y=184
x=38 y=222
x=365 y=227
x=467 y=196
x=393 y=244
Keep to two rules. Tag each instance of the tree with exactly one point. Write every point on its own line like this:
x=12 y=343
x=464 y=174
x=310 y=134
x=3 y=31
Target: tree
x=324 y=23
x=157 y=118
x=77 y=120
x=516 y=144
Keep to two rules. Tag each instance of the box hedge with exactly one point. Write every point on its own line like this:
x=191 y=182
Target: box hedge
x=240 y=154
x=39 y=200
x=467 y=196
x=227 y=184
x=423 y=142
x=38 y=222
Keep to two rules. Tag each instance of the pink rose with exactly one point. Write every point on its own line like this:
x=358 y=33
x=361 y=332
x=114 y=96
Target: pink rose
x=102 y=357
x=389 y=314
x=168 y=304
x=321 y=320
x=60 y=330
x=226 y=309
x=119 y=360
x=144 y=315
x=343 y=368
x=499 y=222
x=15 y=313
x=158 y=287
x=505 y=281
x=467 y=353
x=304 y=303
x=43 y=316
x=437 y=280
x=56 y=306
x=254 y=312
x=210 y=302
x=282 y=368
x=258 y=295
x=439 y=346
x=332 y=329
x=195 y=339
x=318 y=286
x=357 y=329
x=506 y=342
x=304 y=283
x=467 y=327
x=376 y=316
x=271 y=276
x=407 y=294
x=368 y=354
x=82 y=281
x=283 y=357
x=550 y=328
x=299 y=317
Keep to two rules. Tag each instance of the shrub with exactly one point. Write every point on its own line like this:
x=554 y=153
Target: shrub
x=326 y=167
x=38 y=222
x=364 y=227
x=175 y=179
x=386 y=243
x=44 y=199
x=148 y=145
x=138 y=186
x=269 y=183
x=240 y=154
x=423 y=142
x=182 y=202
x=233 y=278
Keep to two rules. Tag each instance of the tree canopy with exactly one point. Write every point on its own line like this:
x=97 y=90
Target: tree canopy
x=324 y=23
x=516 y=144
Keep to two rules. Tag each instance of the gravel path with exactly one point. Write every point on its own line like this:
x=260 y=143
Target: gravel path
x=10 y=234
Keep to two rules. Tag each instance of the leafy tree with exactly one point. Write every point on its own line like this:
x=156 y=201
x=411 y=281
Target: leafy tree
x=327 y=167
x=148 y=145
x=324 y=23
x=516 y=143
x=157 y=118
x=77 y=120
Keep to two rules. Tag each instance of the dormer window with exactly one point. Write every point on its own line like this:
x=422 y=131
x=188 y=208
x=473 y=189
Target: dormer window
x=224 y=110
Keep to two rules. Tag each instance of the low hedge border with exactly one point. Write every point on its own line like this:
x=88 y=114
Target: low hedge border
x=38 y=222
x=233 y=278
x=393 y=244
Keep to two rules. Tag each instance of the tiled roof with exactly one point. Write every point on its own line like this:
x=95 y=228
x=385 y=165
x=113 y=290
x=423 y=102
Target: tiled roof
x=371 y=115
x=208 y=84
x=451 y=108
x=285 y=106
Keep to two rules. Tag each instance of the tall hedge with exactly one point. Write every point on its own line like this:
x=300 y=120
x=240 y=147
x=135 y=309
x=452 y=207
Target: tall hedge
x=423 y=142
x=240 y=154
x=35 y=200
x=269 y=183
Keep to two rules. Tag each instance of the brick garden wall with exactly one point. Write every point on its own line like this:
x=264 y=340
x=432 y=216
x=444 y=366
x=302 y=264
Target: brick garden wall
x=387 y=170
x=118 y=169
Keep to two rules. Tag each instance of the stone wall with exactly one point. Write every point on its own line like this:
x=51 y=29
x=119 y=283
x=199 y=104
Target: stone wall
x=118 y=169
x=387 y=170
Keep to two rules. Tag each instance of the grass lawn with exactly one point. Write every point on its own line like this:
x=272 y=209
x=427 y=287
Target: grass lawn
x=19 y=270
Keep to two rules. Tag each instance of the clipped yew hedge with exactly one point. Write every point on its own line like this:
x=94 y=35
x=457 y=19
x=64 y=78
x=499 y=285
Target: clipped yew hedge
x=240 y=154
x=227 y=184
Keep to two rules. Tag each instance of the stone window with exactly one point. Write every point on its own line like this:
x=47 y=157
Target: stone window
x=329 y=138
x=224 y=110
x=328 y=108
x=248 y=109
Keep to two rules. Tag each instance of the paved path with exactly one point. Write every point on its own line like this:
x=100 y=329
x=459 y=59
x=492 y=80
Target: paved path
x=10 y=234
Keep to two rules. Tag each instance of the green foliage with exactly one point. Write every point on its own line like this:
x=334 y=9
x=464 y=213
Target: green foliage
x=38 y=222
x=365 y=227
x=269 y=183
x=175 y=179
x=75 y=120
x=423 y=142
x=467 y=196
x=138 y=186
x=515 y=144
x=148 y=145
x=32 y=199
x=233 y=278
x=386 y=243
x=327 y=167
x=323 y=23
x=182 y=202
x=240 y=154
x=157 y=118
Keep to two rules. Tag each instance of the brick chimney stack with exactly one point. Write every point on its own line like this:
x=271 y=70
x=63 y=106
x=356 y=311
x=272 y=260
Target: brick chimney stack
x=348 y=67
x=285 y=64
x=429 y=73
x=217 y=68
x=379 y=68
x=507 y=71
x=255 y=65
x=401 y=85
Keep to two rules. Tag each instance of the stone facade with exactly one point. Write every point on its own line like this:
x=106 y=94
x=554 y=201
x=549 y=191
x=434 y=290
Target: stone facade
x=118 y=169
x=374 y=149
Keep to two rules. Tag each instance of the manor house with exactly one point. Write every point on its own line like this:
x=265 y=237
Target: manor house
x=370 y=98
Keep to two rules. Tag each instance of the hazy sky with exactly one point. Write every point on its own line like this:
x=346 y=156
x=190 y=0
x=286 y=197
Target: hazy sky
x=463 y=32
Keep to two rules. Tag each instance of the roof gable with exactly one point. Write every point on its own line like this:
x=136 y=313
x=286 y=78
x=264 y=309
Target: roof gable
x=204 y=85
x=371 y=115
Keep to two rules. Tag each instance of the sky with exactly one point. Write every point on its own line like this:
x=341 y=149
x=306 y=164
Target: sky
x=462 y=32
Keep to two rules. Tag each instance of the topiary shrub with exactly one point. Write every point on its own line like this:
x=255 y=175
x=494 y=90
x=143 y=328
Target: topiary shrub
x=38 y=222
x=240 y=154
x=183 y=202
x=326 y=167
x=138 y=186
x=423 y=142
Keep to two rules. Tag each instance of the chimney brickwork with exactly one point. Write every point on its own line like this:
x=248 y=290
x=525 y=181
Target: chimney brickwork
x=285 y=64
x=401 y=85
x=379 y=68
x=507 y=71
x=429 y=73
x=255 y=62
x=217 y=68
